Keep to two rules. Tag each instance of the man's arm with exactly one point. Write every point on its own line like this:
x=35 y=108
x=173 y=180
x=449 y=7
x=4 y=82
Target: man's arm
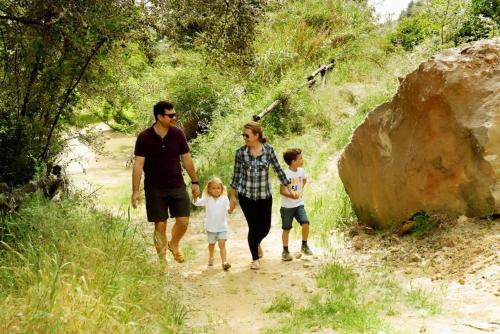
x=136 y=179
x=188 y=164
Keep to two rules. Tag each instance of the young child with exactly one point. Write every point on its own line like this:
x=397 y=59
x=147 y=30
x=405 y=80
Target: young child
x=293 y=207
x=216 y=203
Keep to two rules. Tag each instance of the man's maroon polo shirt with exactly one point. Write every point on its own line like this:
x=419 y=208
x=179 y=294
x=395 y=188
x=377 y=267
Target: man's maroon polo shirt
x=162 y=166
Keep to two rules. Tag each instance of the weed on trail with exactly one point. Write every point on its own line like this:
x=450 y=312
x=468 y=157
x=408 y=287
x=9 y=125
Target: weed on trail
x=280 y=304
x=421 y=299
x=341 y=305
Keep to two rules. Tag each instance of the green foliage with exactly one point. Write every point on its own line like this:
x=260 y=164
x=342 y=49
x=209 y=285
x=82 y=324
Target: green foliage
x=199 y=96
x=424 y=224
x=486 y=8
x=59 y=258
x=303 y=34
x=46 y=49
x=329 y=209
x=413 y=8
x=483 y=22
x=223 y=30
x=412 y=31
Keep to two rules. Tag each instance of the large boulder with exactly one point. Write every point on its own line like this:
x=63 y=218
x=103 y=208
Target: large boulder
x=435 y=146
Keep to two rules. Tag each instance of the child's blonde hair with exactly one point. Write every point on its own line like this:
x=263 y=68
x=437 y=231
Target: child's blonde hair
x=215 y=180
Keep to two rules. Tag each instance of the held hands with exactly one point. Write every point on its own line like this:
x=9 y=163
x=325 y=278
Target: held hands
x=232 y=204
x=294 y=194
x=195 y=191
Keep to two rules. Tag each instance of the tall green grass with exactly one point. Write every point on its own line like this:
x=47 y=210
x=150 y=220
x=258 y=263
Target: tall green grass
x=66 y=268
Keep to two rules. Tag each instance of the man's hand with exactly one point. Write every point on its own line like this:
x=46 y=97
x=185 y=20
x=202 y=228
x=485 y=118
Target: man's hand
x=136 y=199
x=195 y=190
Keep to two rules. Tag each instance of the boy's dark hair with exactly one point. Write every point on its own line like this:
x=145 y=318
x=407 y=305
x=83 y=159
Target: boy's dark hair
x=160 y=108
x=291 y=154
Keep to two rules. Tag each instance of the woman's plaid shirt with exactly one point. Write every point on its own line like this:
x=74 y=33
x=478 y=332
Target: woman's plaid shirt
x=251 y=175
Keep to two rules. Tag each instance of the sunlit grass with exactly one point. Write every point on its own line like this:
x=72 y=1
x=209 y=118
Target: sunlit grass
x=67 y=268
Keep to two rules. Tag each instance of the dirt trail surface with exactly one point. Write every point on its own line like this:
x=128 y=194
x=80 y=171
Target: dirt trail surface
x=233 y=301
x=458 y=265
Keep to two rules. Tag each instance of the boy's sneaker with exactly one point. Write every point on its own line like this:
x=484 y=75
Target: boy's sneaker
x=285 y=256
x=306 y=250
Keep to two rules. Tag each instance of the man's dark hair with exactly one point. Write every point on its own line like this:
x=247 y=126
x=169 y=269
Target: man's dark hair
x=291 y=154
x=160 y=108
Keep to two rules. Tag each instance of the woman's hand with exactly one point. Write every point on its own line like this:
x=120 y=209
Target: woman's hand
x=232 y=204
x=294 y=194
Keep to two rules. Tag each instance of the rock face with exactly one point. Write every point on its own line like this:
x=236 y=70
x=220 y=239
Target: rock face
x=435 y=146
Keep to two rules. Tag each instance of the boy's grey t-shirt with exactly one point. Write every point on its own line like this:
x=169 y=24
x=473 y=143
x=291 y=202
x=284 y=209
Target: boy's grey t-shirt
x=296 y=180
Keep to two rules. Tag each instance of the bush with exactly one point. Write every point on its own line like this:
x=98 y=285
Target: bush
x=412 y=31
x=483 y=22
x=199 y=95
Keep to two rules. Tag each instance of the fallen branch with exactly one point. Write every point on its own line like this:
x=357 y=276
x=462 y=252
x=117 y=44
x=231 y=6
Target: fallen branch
x=311 y=81
x=273 y=105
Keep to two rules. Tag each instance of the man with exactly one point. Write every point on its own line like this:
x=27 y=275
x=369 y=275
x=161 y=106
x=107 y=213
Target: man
x=159 y=151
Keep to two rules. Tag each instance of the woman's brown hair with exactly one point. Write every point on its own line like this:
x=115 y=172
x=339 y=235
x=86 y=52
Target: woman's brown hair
x=256 y=128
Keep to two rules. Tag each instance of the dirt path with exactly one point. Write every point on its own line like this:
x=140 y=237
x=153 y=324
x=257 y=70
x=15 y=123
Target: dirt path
x=233 y=301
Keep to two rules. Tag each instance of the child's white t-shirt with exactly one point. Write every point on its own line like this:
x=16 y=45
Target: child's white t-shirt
x=296 y=184
x=215 y=212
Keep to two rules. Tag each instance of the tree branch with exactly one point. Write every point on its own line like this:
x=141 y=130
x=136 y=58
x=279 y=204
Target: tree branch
x=69 y=91
x=22 y=20
x=31 y=81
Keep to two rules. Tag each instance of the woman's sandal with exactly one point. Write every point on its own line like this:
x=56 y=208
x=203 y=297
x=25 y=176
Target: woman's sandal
x=178 y=257
x=255 y=265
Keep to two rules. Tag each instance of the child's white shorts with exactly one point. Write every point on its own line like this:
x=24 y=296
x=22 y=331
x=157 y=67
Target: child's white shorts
x=214 y=236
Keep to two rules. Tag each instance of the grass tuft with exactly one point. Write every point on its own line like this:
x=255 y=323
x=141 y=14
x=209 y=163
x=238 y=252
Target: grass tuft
x=281 y=303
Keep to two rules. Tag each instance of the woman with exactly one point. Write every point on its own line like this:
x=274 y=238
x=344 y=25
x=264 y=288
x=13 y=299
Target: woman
x=250 y=183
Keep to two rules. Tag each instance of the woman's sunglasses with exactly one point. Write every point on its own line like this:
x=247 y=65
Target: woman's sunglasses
x=245 y=135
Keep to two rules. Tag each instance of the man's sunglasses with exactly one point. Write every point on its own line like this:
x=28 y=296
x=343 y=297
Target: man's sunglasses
x=245 y=135
x=170 y=115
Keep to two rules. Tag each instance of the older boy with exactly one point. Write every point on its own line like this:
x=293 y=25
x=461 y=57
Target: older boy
x=294 y=207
